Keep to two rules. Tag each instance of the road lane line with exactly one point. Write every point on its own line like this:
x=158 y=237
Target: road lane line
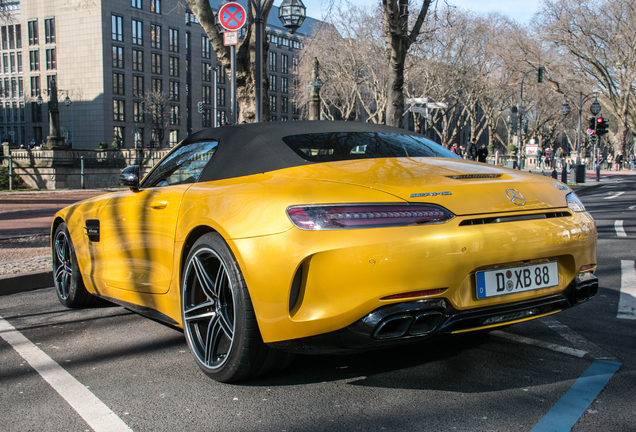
x=528 y=341
x=627 y=300
x=88 y=406
x=620 y=231
x=567 y=410
x=616 y=195
x=632 y=207
x=577 y=340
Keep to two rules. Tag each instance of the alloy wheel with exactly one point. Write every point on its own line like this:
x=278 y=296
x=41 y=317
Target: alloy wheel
x=208 y=308
x=63 y=269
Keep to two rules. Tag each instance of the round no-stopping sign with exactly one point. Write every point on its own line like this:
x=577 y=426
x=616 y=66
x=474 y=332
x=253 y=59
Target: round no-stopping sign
x=232 y=16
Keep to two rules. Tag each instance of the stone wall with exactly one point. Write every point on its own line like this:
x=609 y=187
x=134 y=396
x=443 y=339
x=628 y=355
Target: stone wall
x=62 y=169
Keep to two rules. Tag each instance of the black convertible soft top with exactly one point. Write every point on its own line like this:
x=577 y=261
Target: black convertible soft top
x=254 y=148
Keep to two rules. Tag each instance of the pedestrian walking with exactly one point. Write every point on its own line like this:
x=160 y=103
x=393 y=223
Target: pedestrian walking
x=471 y=150
x=558 y=156
x=619 y=161
x=482 y=153
x=610 y=161
x=632 y=161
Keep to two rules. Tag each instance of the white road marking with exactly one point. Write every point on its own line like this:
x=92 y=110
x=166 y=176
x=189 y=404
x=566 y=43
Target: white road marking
x=528 y=341
x=620 y=231
x=632 y=207
x=627 y=300
x=88 y=406
x=577 y=340
x=616 y=195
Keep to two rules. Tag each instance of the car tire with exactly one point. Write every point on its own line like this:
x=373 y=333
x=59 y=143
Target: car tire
x=218 y=318
x=69 y=284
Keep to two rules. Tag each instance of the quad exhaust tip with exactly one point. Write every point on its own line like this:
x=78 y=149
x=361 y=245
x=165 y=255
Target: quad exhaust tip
x=400 y=326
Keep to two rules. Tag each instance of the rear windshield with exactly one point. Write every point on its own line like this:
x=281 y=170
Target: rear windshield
x=336 y=146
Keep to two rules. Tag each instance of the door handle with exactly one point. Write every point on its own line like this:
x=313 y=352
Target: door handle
x=158 y=205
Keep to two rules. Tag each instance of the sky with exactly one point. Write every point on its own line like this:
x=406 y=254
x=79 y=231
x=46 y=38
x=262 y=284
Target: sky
x=521 y=11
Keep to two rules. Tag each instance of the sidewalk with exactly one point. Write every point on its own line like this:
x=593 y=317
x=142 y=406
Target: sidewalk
x=25 y=221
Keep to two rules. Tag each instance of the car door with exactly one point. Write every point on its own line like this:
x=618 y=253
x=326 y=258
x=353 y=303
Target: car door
x=138 y=226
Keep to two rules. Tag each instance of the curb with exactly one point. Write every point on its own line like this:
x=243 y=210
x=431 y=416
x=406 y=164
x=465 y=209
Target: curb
x=24 y=282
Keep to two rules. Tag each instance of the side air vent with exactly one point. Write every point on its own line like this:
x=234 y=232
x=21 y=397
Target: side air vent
x=474 y=176
x=516 y=218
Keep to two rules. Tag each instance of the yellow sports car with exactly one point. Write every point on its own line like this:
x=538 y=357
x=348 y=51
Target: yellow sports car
x=262 y=240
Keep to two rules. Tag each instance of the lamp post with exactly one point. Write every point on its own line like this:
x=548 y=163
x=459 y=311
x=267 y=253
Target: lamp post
x=314 y=91
x=68 y=102
x=579 y=101
x=522 y=110
x=292 y=14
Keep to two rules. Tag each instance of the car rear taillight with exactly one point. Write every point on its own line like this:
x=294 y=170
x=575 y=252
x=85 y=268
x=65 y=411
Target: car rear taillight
x=352 y=216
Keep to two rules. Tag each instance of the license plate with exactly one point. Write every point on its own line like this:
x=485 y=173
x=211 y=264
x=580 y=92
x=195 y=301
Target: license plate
x=513 y=280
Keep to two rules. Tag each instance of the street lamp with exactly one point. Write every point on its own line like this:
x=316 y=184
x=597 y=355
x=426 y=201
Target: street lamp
x=39 y=100
x=579 y=101
x=69 y=103
x=292 y=14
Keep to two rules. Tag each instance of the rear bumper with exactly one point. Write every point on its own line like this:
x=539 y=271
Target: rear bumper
x=414 y=321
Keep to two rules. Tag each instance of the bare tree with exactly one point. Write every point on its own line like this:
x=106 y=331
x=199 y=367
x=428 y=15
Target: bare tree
x=157 y=114
x=399 y=38
x=597 y=44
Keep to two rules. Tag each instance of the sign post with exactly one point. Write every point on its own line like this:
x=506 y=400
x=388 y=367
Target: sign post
x=232 y=17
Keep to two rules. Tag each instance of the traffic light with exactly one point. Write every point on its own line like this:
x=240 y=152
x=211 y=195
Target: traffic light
x=592 y=123
x=540 y=72
x=593 y=139
x=601 y=126
x=200 y=107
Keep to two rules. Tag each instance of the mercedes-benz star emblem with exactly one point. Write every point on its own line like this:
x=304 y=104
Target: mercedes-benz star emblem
x=515 y=196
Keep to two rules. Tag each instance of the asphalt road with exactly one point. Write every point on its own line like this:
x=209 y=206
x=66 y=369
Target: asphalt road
x=145 y=379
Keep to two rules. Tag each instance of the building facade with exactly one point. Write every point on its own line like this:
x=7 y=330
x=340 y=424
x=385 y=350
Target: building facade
x=106 y=56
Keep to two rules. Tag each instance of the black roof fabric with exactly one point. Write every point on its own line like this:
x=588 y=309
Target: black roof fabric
x=254 y=148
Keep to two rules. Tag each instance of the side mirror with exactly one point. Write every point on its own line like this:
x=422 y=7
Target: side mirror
x=130 y=177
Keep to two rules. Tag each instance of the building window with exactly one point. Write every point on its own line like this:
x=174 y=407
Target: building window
x=295 y=63
x=221 y=118
x=51 y=62
x=157 y=85
x=174 y=40
x=136 y=4
x=220 y=96
x=207 y=94
x=174 y=138
x=155 y=6
x=220 y=77
x=118 y=57
x=118 y=83
x=206 y=72
x=35 y=86
x=5 y=63
x=174 y=66
x=273 y=118
x=205 y=47
x=34 y=60
x=174 y=91
x=272 y=61
x=272 y=83
x=33 y=33
x=284 y=59
x=118 y=110
x=11 y=37
x=36 y=112
x=137 y=32
x=175 y=119
x=138 y=112
x=138 y=60
x=49 y=30
x=118 y=134
x=19 y=61
x=7 y=88
x=272 y=103
x=18 y=36
x=155 y=63
x=187 y=43
x=117 y=28
x=283 y=104
x=14 y=87
x=155 y=36
x=207 y=117
x=5 y=43
x=49 y=79
x=283 y=84
x=20 y=87
x=138 y=86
